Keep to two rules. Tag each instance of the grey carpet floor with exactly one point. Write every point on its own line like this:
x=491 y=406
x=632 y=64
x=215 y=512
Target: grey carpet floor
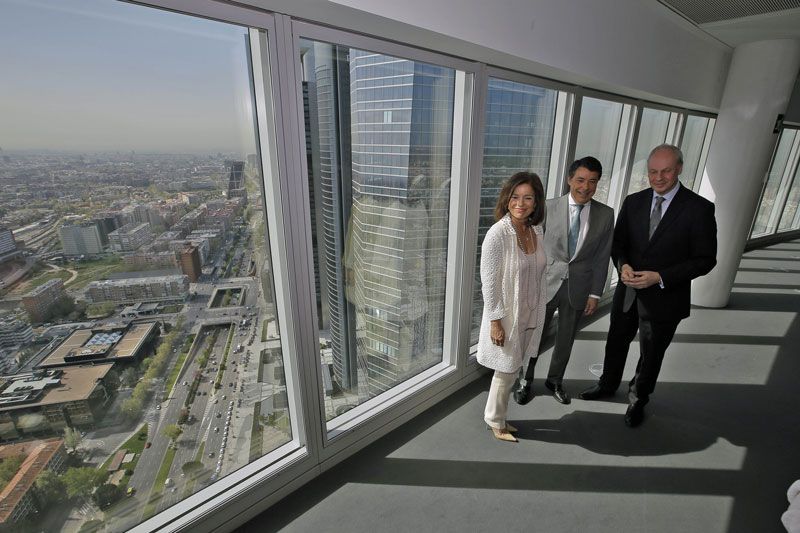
x=716 y=453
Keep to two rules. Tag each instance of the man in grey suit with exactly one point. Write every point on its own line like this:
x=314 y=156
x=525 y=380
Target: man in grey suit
x=577 y=240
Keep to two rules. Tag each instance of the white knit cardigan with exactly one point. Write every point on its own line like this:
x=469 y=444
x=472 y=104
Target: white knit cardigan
x=500 y=287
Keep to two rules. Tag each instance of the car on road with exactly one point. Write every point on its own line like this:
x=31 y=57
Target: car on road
x=211 y=454
x=148 y=444
x=131 y=491
x=158 y=407
x=216 y=429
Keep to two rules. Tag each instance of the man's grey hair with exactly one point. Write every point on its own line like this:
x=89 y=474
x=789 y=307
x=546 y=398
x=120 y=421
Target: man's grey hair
x=671 y=148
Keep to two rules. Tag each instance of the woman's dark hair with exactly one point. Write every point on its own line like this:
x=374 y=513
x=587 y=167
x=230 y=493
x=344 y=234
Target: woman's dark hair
x=510 y=185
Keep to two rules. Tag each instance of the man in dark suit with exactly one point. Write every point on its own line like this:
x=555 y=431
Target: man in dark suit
x=665 y=237
x=577 y=240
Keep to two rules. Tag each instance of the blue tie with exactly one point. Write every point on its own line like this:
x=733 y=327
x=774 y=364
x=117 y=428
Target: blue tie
x=574 y=229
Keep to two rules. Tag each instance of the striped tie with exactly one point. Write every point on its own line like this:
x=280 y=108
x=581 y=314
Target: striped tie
x=655 y=216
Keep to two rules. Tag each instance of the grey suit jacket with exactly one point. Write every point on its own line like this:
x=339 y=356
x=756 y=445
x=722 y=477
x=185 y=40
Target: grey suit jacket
x=589 y=269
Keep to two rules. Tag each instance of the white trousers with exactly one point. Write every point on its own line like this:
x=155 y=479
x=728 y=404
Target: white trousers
x=497 y=403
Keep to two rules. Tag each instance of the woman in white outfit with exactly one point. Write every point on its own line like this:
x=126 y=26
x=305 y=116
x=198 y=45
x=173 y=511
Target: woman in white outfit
x=513 y=263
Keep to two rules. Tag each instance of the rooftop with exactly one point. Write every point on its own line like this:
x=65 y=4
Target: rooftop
x=119 y=342
x=68 y=384
x=39 y=454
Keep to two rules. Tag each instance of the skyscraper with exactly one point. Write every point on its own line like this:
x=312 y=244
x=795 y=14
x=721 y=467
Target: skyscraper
x=236 y=179
x=384 y=137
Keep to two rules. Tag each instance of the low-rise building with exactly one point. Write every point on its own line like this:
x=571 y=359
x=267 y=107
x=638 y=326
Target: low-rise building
x=42 y=403
x=191 y=265
x=81 y=239
x=151 y=259
x=106 y=344
x=37 y=303
x=130 y=237
x=14 y=333
x=145 y=289
x=8 y=246
x=18 y=498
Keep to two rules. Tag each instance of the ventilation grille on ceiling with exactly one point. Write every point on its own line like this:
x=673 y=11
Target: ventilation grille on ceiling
x=705 y=11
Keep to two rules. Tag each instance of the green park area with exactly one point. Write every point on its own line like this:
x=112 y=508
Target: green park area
x=95 y=270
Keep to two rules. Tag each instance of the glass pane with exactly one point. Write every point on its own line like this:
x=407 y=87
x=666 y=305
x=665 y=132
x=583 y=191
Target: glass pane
x=598 y=134
x=790 y=210
x=140 y=346
x=652 y=132
x=776 y=171
x=379 y=144
x=518 y=136
x=692 y=147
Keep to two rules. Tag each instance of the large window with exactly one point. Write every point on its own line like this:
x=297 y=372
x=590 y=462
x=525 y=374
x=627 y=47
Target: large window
x=790 y=218
x=652 y=132
x=518 y=136
x=780 y=173
x=141 y=352
x=694 y=141
x=379 y=149
x=598 y=135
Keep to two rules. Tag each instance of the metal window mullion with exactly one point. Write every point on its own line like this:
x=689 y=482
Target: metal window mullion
x=294 y=207
x=626 y=150
x=457 y=299
x=680 y=130
x=675 y=126
x=623 y=155
x=565 y=139
x=701 y=163
x=472 y=200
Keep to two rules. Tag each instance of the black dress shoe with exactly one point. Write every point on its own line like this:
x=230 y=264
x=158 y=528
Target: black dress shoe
x=634 y=415
x=595 y=393
x=559 y=393
x=523 y=394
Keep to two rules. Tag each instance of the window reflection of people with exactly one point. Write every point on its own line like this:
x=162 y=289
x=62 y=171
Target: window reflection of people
x=512 y=268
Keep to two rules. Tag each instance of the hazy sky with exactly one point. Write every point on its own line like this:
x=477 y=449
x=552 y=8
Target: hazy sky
x=105 y=75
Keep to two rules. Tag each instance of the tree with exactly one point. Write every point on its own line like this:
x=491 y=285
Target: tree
x=100 y=310
x=132 y=408
x=50 y=487
x=173 y=431
x=72 y=438
x=128 y=377
x=107 y=494
x=91 y=526
x=191 y=467
x=80 y=482
x=9 y=467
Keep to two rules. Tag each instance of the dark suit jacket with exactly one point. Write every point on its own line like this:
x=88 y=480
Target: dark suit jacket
x=683 y=247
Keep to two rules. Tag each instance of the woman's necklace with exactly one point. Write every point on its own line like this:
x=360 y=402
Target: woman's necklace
x=523 y=241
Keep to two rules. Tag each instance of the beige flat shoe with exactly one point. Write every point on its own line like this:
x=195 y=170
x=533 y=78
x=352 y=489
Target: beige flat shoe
x=504 y=435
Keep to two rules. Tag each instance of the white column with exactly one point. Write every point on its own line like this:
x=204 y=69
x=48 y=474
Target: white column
x=759 y=85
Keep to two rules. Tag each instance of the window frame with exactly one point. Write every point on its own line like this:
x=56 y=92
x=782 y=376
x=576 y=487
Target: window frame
x=380 y=414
